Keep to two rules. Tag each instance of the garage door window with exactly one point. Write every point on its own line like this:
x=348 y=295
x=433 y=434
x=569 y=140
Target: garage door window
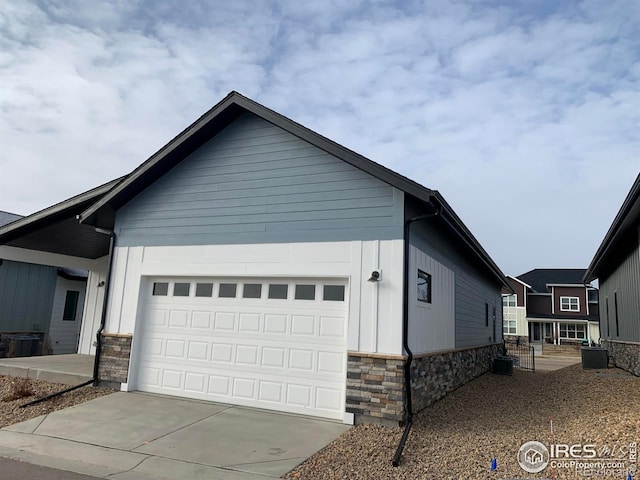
x=227 y=290
x=333 y=293
x=278 y=291
x=160 y=289
x=252 y=290
x=305 y=292
x=181 y=289
x=204 y=289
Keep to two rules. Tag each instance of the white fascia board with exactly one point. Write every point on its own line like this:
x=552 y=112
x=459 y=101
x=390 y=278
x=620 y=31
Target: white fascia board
x=37 y=257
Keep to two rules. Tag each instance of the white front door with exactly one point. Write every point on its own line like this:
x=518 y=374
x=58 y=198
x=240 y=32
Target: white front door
x=270 y=343
x=66 y=316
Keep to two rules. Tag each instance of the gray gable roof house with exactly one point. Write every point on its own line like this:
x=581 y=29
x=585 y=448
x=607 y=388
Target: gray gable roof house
x=616 y=265
x=32 y=303
x=253 y=261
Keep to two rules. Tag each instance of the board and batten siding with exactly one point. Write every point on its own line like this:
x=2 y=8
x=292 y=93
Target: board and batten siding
x=256 y=183
x=624 y=282
x=26 y=296
x=473 y=289
x=431 y=325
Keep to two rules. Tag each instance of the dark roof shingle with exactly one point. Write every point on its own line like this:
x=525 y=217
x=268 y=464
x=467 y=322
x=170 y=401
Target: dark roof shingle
x=539 y=278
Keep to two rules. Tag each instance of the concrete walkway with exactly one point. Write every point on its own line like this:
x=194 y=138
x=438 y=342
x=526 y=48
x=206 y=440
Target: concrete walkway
x=135 y=436
x=549 y=363
x=67 y=369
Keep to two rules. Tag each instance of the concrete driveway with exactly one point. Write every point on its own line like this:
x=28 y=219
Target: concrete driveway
x=133 y=436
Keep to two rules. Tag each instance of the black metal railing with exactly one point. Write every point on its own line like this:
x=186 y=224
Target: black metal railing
x=523 y=355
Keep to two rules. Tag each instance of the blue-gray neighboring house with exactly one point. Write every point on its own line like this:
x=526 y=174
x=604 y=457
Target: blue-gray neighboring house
x=40 y=306
x=253 y=261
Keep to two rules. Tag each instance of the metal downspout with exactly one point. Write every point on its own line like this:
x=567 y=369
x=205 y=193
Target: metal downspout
x=405 y=334
x=103 y=317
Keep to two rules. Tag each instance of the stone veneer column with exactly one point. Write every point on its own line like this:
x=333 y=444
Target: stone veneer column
x=114 y=358
x=375 y=388
x=625 y=355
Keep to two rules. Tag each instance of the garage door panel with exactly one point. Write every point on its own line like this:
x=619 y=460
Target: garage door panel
x=283 y=354
x=201 y=320
x=249 y=322
x=224 y=321
x=178 y=318
x=332 y=327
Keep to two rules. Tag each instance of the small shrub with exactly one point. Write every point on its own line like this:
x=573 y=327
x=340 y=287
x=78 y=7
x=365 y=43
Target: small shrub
x=20 y=388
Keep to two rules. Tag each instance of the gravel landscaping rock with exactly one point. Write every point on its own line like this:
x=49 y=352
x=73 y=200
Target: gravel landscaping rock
x=10 y=412
x=491 y=417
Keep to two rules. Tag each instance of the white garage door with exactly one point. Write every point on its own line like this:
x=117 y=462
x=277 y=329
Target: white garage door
x=268 y=343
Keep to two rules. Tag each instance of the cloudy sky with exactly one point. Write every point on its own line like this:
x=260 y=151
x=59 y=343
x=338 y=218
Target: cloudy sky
x=524 y=114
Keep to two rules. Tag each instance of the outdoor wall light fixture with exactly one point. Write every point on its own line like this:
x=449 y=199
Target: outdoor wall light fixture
x=375 y=276
x=101 y=284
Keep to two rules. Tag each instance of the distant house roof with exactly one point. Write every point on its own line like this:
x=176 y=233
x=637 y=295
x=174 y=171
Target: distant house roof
x=610 y=253
x=539 y=278
x=6 y=218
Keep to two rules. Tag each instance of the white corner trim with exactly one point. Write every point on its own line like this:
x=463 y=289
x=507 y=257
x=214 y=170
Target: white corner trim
x=348 y=418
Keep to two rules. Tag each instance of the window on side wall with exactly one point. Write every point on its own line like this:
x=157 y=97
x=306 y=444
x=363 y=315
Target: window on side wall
x=569 y=304
x=509 y=300
x=424 y=287
x=486 y=314
x=70 y=305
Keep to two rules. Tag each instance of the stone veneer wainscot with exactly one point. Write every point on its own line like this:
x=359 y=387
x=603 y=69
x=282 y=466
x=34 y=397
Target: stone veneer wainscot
x=375 y=383
x=114 y=358
x=625 y=355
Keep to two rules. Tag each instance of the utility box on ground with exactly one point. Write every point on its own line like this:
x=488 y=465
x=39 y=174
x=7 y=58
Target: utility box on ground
x=594 y=358
x=503 y=365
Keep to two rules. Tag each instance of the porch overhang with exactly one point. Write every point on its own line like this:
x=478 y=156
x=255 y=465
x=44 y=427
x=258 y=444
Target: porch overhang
x=57 y=231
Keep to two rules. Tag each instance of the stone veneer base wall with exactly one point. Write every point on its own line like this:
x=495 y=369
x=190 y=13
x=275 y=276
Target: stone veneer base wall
x=435 y=375
x=114 y=358
x=625 y=355
x=375 y=383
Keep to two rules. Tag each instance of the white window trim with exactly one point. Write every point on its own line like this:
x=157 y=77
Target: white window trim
x=570 y=309
x=563 y=331
x=510 y=327
x=508 y=297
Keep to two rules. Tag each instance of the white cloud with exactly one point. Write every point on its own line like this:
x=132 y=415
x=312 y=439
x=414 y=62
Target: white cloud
x=526 y=120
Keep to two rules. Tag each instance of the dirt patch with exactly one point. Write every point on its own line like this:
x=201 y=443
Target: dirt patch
x=491 y=417
x=15 y=391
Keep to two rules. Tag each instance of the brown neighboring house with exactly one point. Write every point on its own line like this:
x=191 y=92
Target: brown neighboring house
x=551 y=306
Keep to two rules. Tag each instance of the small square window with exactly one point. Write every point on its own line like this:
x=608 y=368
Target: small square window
x=424 y=287
x=252 y=290
x=305 y=292
x=160 y=289
x=204 y=289
x=227 y=290
x=181 y=289
x=334 y=293
x=278 y=291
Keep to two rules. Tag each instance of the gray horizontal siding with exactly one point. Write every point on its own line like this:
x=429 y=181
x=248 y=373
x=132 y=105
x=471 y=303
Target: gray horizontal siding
x=472 y=287
x=26 y=296
x=625 y=281
x=256 y=183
